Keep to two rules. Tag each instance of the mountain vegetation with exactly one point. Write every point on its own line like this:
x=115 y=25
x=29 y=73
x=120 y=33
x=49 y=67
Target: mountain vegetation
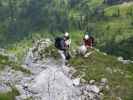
x=111 y=25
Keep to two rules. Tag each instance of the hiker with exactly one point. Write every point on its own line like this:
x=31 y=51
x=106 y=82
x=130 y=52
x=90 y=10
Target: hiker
x=88 y=42
x=63 y=44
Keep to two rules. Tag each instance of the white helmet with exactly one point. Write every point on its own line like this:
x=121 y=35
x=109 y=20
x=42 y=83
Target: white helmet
x=86 y=36
x=66 y=34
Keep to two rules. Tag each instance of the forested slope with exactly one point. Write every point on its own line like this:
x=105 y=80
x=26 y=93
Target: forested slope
x=111 y=25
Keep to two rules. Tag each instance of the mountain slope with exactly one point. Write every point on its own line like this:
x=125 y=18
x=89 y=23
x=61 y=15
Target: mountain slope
x=99 y=65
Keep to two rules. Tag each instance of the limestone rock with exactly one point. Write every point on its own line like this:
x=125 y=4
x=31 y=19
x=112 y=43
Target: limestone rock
x=120 y=58
x=93 y=88
x=92 y=81
x=4 y=88
x=76 y=82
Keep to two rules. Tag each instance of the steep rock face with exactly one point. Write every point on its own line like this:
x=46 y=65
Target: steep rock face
x=51 y=80
x=55 y=82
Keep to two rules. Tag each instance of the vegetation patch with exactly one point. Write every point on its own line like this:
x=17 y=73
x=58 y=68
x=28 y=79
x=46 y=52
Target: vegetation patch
x=50 y=51
x=98 y=66
x=4 y=61
x=9 y=95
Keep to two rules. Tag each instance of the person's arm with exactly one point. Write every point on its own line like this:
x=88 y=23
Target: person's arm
x=68 y=42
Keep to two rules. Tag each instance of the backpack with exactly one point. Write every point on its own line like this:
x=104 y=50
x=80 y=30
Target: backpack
x=58 y=44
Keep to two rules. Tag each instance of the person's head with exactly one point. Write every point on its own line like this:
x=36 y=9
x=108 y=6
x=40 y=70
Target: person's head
x=86 y=36
x=66 y=35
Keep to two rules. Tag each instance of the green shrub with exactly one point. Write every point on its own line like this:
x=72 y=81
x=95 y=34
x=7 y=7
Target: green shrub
x=98 y=65
x=10 y=95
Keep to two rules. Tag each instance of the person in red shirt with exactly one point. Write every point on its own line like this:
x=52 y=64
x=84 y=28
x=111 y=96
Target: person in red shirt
x=88 y=41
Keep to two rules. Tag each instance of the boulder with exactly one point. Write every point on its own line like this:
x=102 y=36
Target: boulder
x=83 y=81
x=93 y=88
x=126 y=61
x=120 y=58
x=76 y=82
x=104 y=53
x=92 y=81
